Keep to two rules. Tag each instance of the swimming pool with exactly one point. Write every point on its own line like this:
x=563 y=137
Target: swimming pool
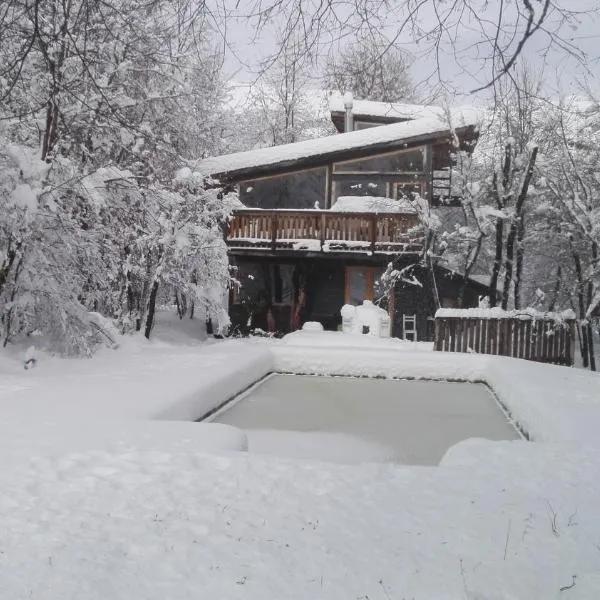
x=351 y=420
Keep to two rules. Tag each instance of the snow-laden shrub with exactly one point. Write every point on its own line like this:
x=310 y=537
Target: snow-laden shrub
x=104 y=243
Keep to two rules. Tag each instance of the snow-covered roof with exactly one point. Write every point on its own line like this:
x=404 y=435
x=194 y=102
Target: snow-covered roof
x=385 y=110
x=317 y=152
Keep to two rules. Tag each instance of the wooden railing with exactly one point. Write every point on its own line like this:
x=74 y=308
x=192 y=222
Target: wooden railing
x=324 y=230
x=548 y=340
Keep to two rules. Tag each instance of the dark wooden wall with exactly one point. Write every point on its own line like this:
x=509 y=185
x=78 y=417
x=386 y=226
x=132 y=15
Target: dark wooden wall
x=326 y=284
x=420 y=301
x=324 y=279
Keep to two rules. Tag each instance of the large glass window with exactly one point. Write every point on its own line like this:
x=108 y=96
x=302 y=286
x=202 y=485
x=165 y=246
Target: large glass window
x=265 y=284
x=282 y=284
x=302 y=189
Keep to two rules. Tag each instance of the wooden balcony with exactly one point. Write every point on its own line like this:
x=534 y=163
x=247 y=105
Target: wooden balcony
x=324 y=231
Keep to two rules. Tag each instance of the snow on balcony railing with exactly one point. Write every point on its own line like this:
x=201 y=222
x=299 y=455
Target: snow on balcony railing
x=324 y=230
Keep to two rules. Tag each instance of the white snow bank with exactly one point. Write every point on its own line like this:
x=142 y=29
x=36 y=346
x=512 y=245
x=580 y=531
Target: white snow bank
x=317 y=445
x=338 y=339
x=154 y=525
x=372 y=204
x=57 y=438
x=140 y=381
x=312 y=326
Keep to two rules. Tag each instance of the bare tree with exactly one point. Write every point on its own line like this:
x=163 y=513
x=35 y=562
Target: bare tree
x=492 y=36
x=372 y=70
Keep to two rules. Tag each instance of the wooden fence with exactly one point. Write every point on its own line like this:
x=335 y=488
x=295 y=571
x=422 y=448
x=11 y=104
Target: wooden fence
x=546 y=340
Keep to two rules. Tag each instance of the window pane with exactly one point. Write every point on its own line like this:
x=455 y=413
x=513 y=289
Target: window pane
x=357 y=285
x=407 y=160
x=283 y=286
x=294 y=190
x=353 y=187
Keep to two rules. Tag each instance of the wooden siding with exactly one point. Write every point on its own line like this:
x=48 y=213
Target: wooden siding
x=420 y=301
x=317 y=230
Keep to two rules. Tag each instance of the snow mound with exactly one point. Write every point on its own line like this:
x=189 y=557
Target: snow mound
x=365 y=318
x=327 y=446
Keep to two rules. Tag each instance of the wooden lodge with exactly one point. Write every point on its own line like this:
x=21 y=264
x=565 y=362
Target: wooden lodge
x=320 y=220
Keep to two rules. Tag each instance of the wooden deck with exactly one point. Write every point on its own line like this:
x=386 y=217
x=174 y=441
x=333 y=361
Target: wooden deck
x=324 y=231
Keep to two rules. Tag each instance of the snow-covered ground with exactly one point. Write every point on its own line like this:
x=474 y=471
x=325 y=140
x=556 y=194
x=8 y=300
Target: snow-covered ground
x=107 y=492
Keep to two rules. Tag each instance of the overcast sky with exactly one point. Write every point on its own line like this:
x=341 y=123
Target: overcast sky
x=462 y=59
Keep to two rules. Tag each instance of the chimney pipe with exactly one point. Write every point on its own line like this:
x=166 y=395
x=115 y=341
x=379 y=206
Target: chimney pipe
x=348 y=119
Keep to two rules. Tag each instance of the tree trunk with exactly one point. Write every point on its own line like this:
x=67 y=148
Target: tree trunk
x=497 y=263
x=519 y=264
x=514 y=228
x=151 y=309
x=431 y=271
x=500 y=204
x=468 y=268
x=590 y=296
x=552 y=304
x=581 y=302
x=8 y=321
x=590 y=340
x=51 y=128
x=181 y=304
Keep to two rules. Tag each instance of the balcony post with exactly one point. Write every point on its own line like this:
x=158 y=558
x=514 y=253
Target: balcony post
x=373 y=225
x=274 y=232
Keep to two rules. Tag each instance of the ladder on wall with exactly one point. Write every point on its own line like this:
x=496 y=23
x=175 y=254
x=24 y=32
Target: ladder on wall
x=409 y=327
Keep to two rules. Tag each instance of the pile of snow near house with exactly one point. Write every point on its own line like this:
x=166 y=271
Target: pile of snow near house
x=312 y=326
x=365 y=318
